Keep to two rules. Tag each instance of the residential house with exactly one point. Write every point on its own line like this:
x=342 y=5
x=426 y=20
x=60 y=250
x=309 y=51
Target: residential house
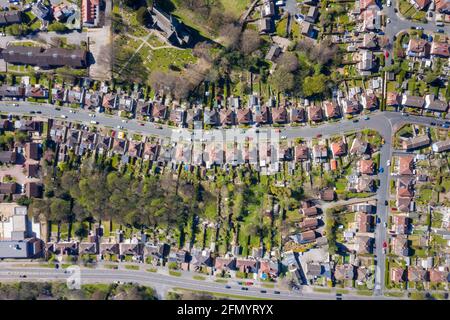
x=418 y=48
x=151 y=151
x=273 y=53
x=244 y=116
x=33 y=190
x=247 y=265
x=397 y=274
x=412 y=101
x=393 y=99
x=338 y=148
x=327 y=194
x=420 y=4
x=315 y=113
x=269 y=268
x=417 y=274
x=436 y=105
x=262 y=115
x=369 y=101
x=32 y=150
x=370 y=41
x=36 y=92
x=92 y=100
x=359 y=147
x=267 y=9
x=298 y=115
x=442 y=6
x=438 y=276
x=279 y=115
x=399 y=246
x=367 y=61
x=8 y=157
x=365 y=222
x=350 y=106
x=309 y=224
x=172 y=29
x=135 y=250
x=45 y=58
x=406 y=165
x=211 y=117
x=159 y=111
x=416 y=142
x=109 y=249
x=10 y=17
x=371 y=18
x=225 y=264
x=331 y=110
x=312 y=14
x=110 y=101
x=301 y=153
x=320 y=153
x=364 y=245
x=265 y=25
x=365 y=184
x=306 y=29
x=441 y=146
x=310 y=211
x=366 y=166
x=344 y=272
x=90 y=13
x=227 y=117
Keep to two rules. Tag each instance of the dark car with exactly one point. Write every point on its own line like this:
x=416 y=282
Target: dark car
x=32 y=112
x=263 y=291
x=57 y=108
x=433 y=123
x=244 y=288
x=386 y=202
x=276 y=292
x=227 y=287
x=440 y=31
x=39 y=112
x=355 y=120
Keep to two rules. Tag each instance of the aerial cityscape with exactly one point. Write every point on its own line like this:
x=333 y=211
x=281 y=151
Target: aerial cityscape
x=224 y=149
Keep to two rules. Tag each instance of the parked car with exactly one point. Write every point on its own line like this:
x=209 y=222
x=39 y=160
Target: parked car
x=227 y=287
x=244 y=288
x=276 y=292
x=440 y=31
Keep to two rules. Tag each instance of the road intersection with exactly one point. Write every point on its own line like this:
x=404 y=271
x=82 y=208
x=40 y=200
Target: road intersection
x=382 y=122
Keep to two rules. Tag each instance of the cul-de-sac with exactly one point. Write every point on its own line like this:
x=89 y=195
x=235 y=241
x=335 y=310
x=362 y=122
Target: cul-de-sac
x=224 y=149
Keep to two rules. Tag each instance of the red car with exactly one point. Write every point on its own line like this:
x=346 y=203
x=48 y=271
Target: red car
x=142 y=124
x=384 y=244
x=386 y=54
x=249 y=283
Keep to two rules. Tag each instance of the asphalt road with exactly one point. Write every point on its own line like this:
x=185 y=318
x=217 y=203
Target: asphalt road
x=399 y=24
x=89 y=276
x=382 y=122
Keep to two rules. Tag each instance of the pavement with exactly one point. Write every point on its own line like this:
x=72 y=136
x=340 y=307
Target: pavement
x=382 y=122
x=399 y=23
x=161 y=281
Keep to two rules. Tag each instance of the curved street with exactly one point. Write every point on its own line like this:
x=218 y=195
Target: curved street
x=383 y=122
